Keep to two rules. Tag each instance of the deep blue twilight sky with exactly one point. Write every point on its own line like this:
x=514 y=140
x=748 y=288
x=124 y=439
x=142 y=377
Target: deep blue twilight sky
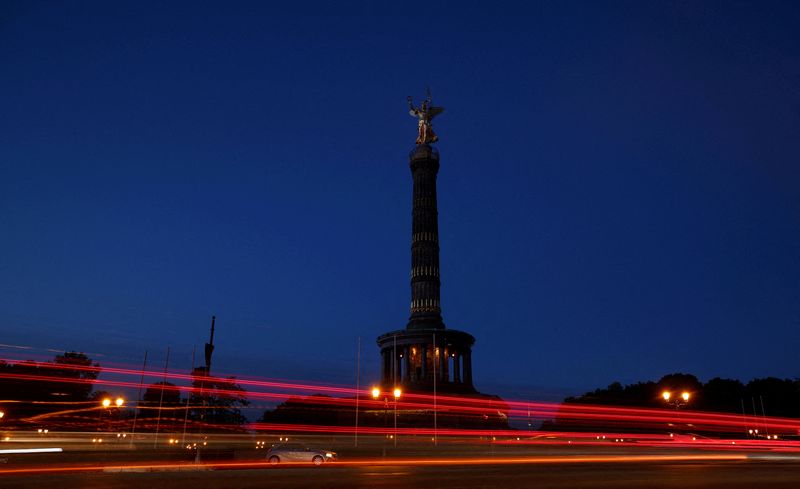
x=619 y=192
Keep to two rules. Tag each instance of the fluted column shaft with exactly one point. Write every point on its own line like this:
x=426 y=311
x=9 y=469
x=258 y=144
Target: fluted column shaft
x=426 y=309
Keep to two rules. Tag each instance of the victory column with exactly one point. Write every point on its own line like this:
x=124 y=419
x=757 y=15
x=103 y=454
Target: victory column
x=410 y=356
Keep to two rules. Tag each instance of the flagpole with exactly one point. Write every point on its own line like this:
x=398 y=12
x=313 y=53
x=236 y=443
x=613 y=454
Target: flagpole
x=188 y=396
x=358 y=387
x=435 y=441
x=161 y=400
x=138 y=398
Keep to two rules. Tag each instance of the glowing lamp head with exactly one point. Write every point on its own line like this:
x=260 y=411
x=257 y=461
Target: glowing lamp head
x=685 y=396
x=119 y=402
x=666 y=395
x=106 y=402
x=376 y=393
x=397 y=392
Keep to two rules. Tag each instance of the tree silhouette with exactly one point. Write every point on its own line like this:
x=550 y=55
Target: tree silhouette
x=776 y=397
x=217 y=401
x=315 y=409
x=80 y=371
x=760 y=397
x=164 y=393
x=65 y=384
x=724 y=395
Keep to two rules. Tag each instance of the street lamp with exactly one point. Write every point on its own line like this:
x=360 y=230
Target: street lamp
x=106 y=403
x=397 y=392
x=676 y=401
x=376 y=394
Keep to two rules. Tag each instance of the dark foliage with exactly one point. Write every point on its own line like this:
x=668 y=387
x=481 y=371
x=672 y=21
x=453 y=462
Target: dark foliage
x=39 y=388
x=769 y=396
x=320 y=409
x=216 y=401
x=316 y=409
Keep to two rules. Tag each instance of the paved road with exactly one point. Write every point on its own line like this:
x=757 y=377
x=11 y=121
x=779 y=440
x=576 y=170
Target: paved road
x=449 y=466
x=685 y=474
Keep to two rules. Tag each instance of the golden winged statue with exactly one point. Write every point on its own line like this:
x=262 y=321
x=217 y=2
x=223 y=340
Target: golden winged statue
x=425 y=114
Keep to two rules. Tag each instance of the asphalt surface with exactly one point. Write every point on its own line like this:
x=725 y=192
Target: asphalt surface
x=377 y=464
x=722 y=474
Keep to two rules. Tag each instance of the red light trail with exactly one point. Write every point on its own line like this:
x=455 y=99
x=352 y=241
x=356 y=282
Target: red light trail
x=344 y=397
x=433 y=461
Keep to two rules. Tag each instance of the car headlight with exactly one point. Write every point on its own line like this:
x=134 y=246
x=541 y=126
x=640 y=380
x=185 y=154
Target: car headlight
x=329 y=455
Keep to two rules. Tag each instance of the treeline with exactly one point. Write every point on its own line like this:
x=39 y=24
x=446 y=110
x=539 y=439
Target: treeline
x=214 y=402
x=323 y=410
x=29 y=389
x=60 y=394
x=750 y=404
x=768 y=396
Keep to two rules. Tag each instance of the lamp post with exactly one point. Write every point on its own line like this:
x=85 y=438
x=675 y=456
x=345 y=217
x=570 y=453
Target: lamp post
x=376 y=394
x=397 y=392
x=118 y=403
x=106 y=403
x=676 y=401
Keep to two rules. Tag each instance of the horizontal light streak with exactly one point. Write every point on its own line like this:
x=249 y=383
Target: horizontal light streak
x=159 y=375
x=446 y=404
x=450 y=461
x=512 y=407
x=31 y=450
